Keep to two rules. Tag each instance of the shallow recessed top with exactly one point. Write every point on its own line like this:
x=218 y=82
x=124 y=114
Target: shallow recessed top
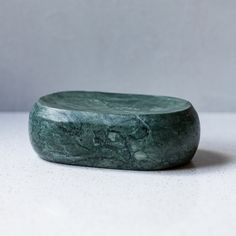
x=113 y=103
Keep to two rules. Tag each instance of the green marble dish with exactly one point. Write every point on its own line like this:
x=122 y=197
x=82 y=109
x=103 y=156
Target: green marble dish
x=111 y=130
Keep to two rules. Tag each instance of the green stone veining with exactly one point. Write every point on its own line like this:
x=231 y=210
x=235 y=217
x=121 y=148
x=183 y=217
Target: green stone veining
x=111 y=130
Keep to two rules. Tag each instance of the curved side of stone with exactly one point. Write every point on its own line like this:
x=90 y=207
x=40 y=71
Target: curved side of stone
x=136 y=142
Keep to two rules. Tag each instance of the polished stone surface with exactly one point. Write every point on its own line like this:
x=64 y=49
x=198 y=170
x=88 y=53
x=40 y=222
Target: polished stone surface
x=122 y=131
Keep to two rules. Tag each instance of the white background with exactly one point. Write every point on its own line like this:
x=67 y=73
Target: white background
x=184 y=48
x=41 y=198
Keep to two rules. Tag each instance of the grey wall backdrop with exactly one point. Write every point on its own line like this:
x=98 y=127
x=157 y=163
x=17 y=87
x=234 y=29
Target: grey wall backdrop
x=184 y=48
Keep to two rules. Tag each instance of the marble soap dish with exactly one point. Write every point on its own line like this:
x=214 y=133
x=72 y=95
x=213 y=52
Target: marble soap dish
x=111 y=130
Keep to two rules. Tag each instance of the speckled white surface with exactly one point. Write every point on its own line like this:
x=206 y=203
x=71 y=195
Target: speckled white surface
x=42 y=198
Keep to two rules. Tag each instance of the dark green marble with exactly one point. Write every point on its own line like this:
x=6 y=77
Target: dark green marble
x=122 y=131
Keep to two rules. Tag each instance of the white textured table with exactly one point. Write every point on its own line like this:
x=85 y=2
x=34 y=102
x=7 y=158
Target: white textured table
x=42 y=198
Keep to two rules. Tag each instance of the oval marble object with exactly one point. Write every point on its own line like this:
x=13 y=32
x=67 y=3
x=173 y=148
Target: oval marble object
x=111 y=130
